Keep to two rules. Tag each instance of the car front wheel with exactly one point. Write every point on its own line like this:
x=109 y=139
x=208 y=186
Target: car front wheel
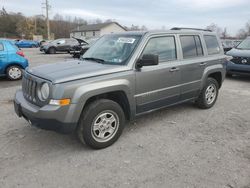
x=101 y=124
x=52 y=50
x=14 y=72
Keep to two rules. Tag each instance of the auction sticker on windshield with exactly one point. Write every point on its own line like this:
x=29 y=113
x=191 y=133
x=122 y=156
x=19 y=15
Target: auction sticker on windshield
x=126 y=40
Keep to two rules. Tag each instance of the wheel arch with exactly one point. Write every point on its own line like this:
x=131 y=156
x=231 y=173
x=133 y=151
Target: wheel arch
x=217 y=72
x=118 y=96
x=217 y=76
x=13 y=64
x=118 y=91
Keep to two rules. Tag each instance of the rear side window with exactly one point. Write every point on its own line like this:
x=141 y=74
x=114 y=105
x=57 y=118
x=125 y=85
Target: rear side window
x=164 y=47
x=212 y=44
x=191 y=46
x=1 y=47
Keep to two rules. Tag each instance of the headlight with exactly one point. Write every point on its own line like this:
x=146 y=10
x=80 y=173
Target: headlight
x=44 y=92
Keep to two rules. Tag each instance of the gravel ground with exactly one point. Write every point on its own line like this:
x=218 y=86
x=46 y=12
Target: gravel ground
x=177 y=147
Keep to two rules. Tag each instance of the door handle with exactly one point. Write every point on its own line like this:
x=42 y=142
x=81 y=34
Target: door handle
x=174 y=69
x=203 y=64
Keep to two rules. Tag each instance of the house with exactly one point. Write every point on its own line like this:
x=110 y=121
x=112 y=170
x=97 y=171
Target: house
x=97 y=30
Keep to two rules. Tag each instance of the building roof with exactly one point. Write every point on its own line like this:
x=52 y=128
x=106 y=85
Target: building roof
x=95 y=27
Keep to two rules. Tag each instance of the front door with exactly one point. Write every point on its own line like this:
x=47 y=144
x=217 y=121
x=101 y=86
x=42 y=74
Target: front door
x=61 y=45
x=158 y=86
x=3 y=58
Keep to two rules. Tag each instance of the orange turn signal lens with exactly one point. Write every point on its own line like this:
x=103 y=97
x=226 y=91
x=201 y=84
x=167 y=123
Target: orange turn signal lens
x=61 y=102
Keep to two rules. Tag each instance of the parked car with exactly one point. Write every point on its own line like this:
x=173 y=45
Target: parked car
x=12 y=61
x=120 y=77
x=27 y=44
x=59 y=45
x=78 y=51
x=240 y=62
x=228 y=44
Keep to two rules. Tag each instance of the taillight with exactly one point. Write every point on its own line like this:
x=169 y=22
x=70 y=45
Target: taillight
x=20 y=53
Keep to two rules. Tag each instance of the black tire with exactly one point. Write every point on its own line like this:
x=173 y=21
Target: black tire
x=52 y=50
x=202 y=101
x=91 y=114
x=9 y=73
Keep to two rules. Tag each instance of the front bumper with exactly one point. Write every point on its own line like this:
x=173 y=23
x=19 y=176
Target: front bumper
x=49 y=117
x=241 y=69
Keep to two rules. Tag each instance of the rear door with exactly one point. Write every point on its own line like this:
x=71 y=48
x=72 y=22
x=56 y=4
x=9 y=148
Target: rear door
x=158 y=86
x=3 y=57
x=193 y=65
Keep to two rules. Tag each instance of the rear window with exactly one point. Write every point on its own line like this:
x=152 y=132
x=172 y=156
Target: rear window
x=191 y=46
x=212 y=44
x=1 y=47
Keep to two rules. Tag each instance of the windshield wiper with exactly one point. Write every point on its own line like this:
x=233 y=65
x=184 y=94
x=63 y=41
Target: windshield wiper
x=94 y=59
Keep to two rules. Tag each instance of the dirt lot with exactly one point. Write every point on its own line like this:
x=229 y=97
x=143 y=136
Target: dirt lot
x=178 y=147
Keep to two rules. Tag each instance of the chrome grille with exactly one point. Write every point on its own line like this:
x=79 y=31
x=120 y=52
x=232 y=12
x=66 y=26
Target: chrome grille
x=239 y=60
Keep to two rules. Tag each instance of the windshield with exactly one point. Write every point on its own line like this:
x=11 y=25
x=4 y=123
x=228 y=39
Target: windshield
x=113 y=49
x=245 y=44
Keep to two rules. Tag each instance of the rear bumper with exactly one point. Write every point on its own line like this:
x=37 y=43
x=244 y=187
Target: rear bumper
x=48 y=117
x=240 y=69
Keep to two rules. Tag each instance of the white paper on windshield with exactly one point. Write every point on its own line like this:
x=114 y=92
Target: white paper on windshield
x=126 y=40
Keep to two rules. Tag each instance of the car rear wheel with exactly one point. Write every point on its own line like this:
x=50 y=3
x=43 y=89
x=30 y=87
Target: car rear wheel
x=209 y=94
x=14 y=72
x=101 y=124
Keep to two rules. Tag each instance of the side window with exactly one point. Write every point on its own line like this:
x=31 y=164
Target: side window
x=212 y=44
x=191 y=46
x=164 y=47
x=1 y=47
x=198 y=46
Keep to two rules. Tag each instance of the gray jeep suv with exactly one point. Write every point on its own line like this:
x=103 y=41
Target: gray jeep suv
x=121 y=77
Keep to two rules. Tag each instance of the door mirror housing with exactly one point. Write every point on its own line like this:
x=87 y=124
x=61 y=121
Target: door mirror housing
x=147 y=60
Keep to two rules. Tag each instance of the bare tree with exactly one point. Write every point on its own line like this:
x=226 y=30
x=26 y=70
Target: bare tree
x=215 y=28
x=244 y=32
x=224 y=34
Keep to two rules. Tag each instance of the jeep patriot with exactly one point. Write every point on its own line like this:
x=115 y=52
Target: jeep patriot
x=121 y=77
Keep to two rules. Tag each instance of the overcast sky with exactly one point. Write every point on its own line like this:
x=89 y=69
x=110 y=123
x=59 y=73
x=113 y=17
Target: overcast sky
x=232 y=14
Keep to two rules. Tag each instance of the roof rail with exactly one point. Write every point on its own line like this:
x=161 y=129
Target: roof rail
x=186 y=28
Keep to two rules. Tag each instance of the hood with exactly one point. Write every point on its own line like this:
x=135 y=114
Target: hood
x=73 y=70
x=80 y=40
x=238 y=53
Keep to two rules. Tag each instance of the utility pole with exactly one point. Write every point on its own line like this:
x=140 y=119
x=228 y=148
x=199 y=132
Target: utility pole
x=47 y=7
x=35 y=25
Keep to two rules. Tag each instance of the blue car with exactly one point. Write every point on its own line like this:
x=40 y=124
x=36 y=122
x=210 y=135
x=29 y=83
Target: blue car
x=240 y=62
x=27 y=44
x=12 y=60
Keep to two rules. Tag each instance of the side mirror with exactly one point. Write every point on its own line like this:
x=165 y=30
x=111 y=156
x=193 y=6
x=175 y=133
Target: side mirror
x=148 y=60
